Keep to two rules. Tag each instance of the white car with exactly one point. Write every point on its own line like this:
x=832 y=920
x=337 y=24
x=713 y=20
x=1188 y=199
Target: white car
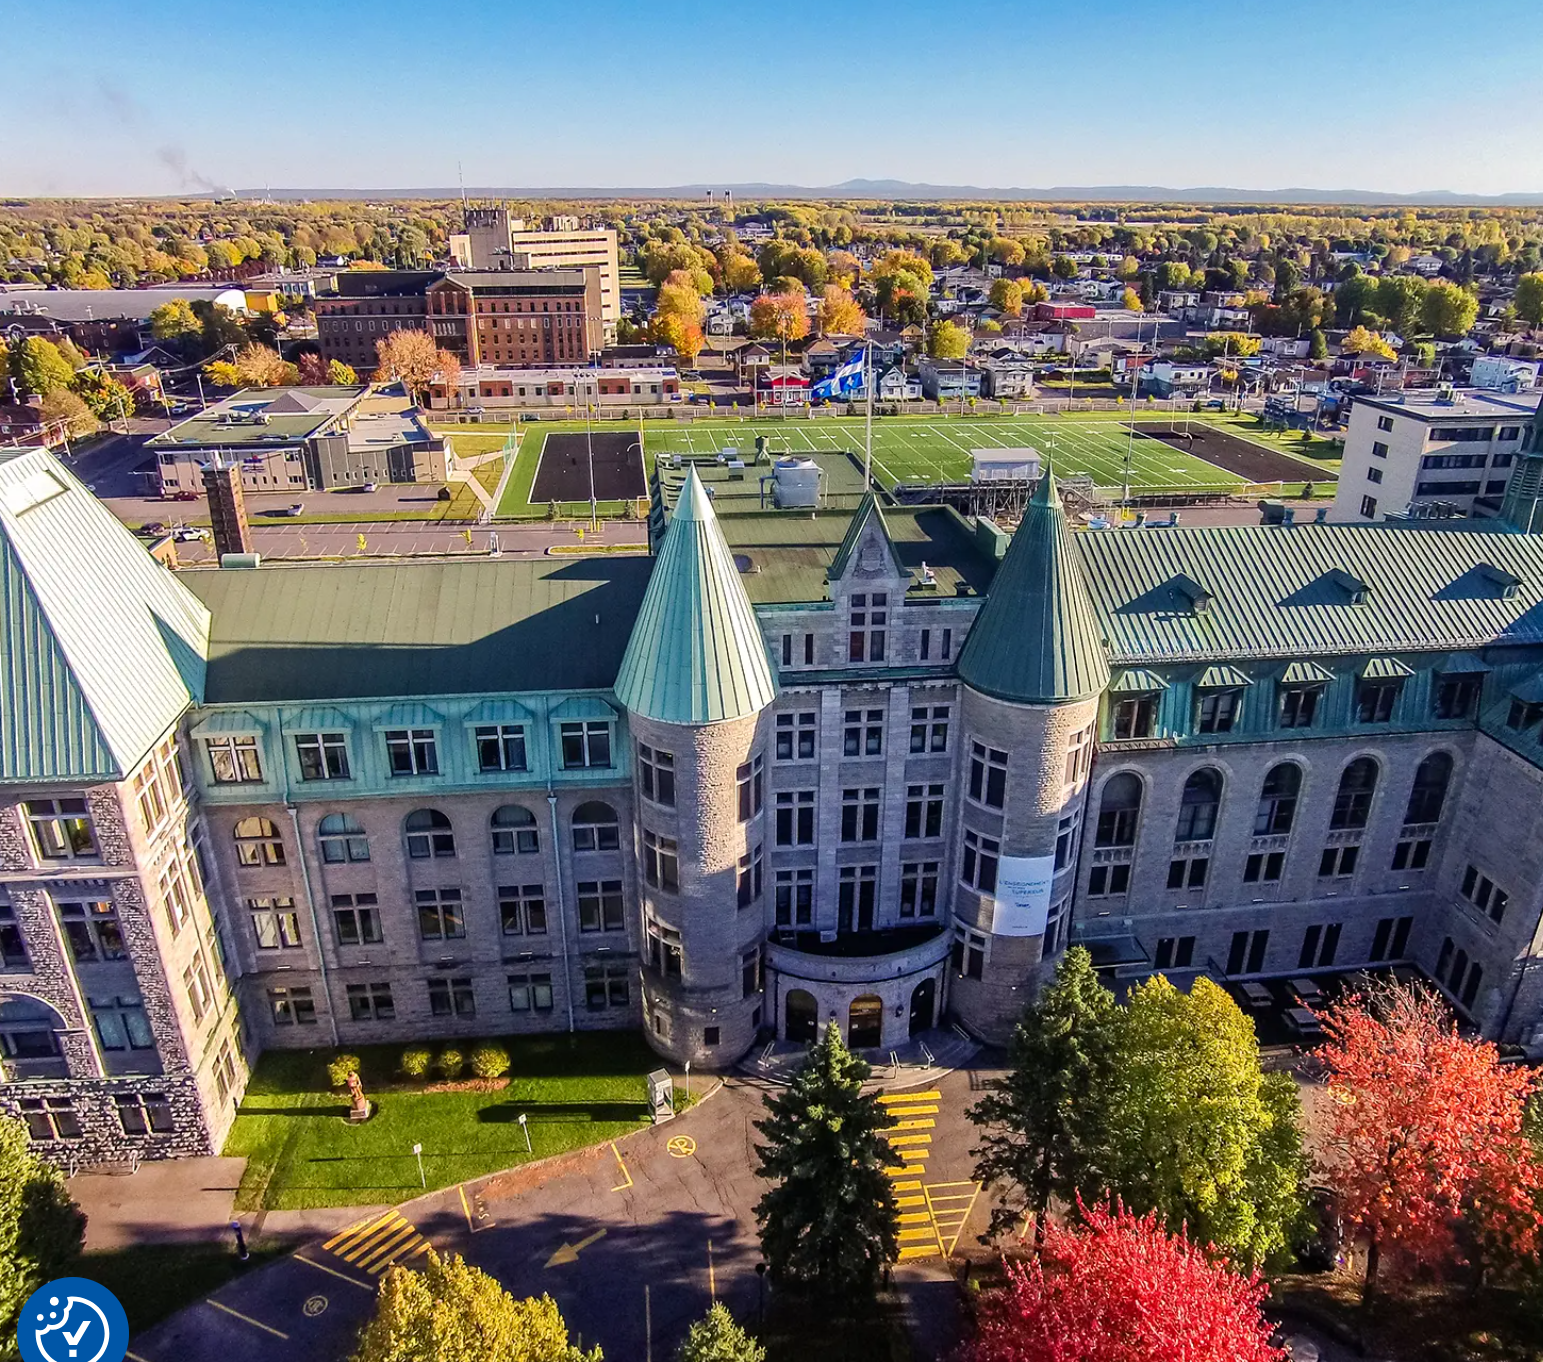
x=186 y=533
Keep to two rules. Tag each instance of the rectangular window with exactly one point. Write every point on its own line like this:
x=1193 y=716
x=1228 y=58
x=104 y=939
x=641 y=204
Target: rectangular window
x=93 y=930
x=978 y=864
x=1174 y=952
x=605 y=986
x=195 y=981
x=656 y=775
x=144 y=1113
x=1133 y=716
x=439 y=914
x=412 y=752
x=176 y=893
x=1108 y=880
x=1379 y=449
x=500 y=747
x=1368 y=508
x=13 y=948
x=1384 y=423
x=969 y=953
x=1337 y=862
x=1484 y=893
x=925 y=646
x=275 y=923
x=860 y=814
x=292 y=1006
x=794 y=896
x=322 y=756
x=1319 y=946
x=867 y=627
x=749 y=788
x=61 y=829
x=370 y=1002
x=1218 y=711
x=1523 y=714
x=863 y=733
x=750 y=974
x=929 y=728
x=856 y=898
x=1374 y=475
x=948 y=644
x=795 y=739
x=121 y=1023
x=1391 y=939
x=356 y=920
x=51 y=1118
x=988 y=775
x=1248 y=951
x=1375 y=701
x=918 y=889
x=530 y=992
x=586 y=744
x=1299 y=705
x=1264 y=867
x=795 y=818
x=233 y=761
x=1066 y=839
x=600 y=907
x=451 y=998
x=522 y=909
x=1412 y=855
x=924 y=811
x=748 y=880
x=1455 y=696
x=1188 y=873
x=661 y=862
x=1079 y=756
x=147 y=791
x=664 y=953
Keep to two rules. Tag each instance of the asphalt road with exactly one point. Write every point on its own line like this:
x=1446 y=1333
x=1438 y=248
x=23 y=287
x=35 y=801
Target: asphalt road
x=633 y=1239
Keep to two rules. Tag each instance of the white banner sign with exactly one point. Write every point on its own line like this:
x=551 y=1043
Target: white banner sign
x=1023 y=895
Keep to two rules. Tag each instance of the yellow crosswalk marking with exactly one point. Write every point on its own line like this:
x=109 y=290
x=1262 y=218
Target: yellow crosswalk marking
x=355 y=1227
x=913 y=1235
x=915 y=1217
x=904 y=1201
x=911 y=1171
x=381 y=1252
x=373 y=1245
x=910 y=1139
x=924 y=1110
x=888 y=1097
x=921 y=1123
x=909 y=1253
x=908 y=1186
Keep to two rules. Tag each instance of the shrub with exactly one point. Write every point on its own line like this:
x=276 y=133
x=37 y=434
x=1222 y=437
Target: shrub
x=415 y=1060
x=451 y=1061
x=340 y=1067
x=490 y=1061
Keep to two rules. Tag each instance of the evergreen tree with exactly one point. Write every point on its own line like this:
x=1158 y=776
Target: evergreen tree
x=1044 y=1120
x=41 y=1229
x=829 y=1223
x=716 y=1338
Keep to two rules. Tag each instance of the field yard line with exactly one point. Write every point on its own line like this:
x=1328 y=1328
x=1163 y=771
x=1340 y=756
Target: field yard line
x=963 y=449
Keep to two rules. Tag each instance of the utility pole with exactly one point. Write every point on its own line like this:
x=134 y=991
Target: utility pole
x=868 y=433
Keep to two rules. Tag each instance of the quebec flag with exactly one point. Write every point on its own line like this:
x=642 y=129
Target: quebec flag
x=841 y=382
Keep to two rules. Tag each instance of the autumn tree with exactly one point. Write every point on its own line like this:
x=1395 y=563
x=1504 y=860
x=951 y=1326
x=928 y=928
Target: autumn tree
x=411 y=357
x=779 y=316
x=41 y=1229
x=1529 y=298
x=1043 y=1129
x=948 y=340
x=1399 y=299
x=62 y=407
x=901 y=283
x=1122 y=1289
x=829 y=1223
x=1007 y=296
x=39 y=366
x=717 y=1338
x=450 y=1312
x=257 y=366
x=678 y=316
x=1130 y=300
x=740 y=272
x=174 y=321
x=1448 y=310
x=1360 y=341
x=1426 y=1133
x=107 y=398
x=839 y=313
x=312 y=368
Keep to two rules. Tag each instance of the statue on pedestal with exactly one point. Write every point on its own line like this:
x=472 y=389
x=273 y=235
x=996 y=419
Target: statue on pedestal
x=359 y=1104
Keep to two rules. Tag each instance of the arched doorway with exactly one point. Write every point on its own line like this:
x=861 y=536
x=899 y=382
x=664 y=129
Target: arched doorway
x=801 y=1017
x=865 y=1023
x=923 y=1000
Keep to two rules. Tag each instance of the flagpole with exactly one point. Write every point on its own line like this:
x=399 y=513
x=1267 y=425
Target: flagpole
x=868 y=434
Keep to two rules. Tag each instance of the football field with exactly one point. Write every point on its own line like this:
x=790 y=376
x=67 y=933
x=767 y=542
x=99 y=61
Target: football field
x=909 y=450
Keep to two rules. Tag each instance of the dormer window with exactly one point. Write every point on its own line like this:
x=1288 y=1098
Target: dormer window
x=1506 y=584
x=1356 y=591
x=1191 y=595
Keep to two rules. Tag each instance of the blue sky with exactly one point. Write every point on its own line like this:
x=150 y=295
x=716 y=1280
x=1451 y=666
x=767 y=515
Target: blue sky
x=107 y=97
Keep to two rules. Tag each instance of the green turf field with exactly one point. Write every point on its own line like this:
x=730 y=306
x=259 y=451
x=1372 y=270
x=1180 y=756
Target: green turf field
x=912 y=450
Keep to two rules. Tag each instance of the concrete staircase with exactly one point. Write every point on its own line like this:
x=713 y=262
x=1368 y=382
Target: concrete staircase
x=917 y=1062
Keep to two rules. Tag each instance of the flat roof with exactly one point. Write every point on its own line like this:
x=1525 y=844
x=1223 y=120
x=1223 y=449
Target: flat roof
x=1466 y=403
x=291 y=414
x=338 y=631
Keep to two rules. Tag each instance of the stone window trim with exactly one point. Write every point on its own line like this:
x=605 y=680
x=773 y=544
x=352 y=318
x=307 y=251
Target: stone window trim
x=987 y=775
x=62 y=829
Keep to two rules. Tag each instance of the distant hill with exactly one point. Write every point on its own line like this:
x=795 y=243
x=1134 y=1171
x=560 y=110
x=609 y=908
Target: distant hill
x=904 y=189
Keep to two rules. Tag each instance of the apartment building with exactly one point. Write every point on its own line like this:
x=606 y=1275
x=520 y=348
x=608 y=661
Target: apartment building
x=497 y=241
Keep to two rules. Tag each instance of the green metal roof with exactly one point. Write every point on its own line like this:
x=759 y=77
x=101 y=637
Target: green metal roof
x=104 y=649
x=696 y=654
x=1137 y=681
x=1036 y=640
x=386 y=630
x=867 y=511
x=1385 y=669
x=1223 y=678
x=1306 y=674
x=1274 y=596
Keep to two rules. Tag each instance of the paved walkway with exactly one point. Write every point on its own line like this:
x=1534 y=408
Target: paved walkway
x=173 y=1201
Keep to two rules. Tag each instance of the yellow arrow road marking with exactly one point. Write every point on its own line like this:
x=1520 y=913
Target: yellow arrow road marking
x=569 y=1253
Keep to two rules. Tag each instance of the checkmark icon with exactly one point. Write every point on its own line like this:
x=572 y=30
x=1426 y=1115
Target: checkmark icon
x=74 y=1339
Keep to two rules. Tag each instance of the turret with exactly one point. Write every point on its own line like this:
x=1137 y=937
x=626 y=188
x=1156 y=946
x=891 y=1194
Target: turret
x=695 y=681
x=1033 y=669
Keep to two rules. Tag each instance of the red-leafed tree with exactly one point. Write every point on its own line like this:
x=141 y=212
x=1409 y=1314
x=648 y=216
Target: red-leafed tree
x=1120 y=1288
x=1425 y=1134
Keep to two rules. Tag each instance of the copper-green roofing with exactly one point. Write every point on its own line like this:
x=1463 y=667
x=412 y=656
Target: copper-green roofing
x=696 y=654
x=382 y=629
x=1275 y=591
x=867 y=513
x=1036 y=640
x=103 y=648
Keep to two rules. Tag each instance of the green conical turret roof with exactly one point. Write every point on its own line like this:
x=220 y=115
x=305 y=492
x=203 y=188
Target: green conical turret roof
x=696 y=654
x=1035 y=640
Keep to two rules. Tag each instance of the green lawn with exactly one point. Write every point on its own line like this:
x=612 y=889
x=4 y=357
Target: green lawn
x=301 y=1151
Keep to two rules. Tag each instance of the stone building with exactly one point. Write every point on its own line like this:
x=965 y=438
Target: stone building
x=871 y=764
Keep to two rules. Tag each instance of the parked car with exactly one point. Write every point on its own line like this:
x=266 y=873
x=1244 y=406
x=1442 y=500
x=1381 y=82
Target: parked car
x=187 y=533
x=370 y=487
x=181 y=496
x=294 y=508
x=153 y=527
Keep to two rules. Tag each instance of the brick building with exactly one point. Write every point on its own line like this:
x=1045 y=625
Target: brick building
x=877 y=766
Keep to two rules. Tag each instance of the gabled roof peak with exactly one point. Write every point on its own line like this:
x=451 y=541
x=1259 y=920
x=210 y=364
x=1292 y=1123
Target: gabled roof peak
x=868 y=518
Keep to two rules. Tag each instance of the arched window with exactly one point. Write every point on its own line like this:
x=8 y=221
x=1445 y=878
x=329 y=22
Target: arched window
x=342 y=839
x=258 y=842
x=1278 y=800
x=514 y=830
x=594 y=827
x=1429 y=793
x=429 y=834
x=1353 y=802
x=1197 y=806
x=1119 y=810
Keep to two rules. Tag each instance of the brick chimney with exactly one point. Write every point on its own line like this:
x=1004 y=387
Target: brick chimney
x=227 y=509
